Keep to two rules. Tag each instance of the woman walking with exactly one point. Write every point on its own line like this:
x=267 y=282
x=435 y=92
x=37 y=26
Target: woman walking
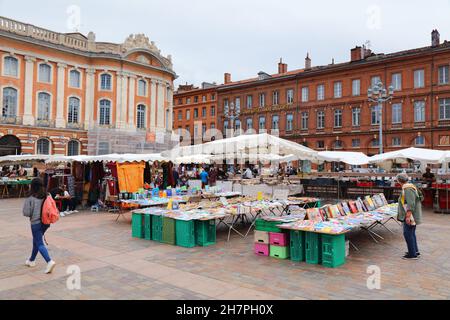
x=32 y=208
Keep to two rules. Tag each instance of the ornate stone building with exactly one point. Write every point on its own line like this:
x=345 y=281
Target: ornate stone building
x=65 y=93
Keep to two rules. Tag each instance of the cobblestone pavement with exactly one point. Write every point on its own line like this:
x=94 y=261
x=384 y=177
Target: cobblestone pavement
x=115 y=266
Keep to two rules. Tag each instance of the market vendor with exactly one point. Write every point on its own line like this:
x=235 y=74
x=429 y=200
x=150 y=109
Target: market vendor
x=428 y=177
x=410 y=213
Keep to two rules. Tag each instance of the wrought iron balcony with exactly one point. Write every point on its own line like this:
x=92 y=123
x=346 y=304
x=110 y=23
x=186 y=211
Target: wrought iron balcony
x=10 y=120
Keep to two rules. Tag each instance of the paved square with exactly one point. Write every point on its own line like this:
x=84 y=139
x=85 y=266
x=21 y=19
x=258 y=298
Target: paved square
x=115 y=266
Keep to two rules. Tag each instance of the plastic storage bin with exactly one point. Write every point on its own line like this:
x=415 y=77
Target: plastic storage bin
x=261 y=237
x=279 y=252
x=168 y=231
x=185 y=233
x=147 y=227
x=205 y=232
x=333 y=250
x=262 y=249
x=279 y=239
x=297 y=241
x=156 y=228
x=313 y=248
x=269 y=226
x=137 y=226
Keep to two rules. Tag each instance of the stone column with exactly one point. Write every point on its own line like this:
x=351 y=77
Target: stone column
x=28 y=117
x=89 y=99
x=60 y=120
x=118 y=99
x=170 y=108
x=160 y=107
x=153 y=106
x=131 y=106
x=124 y=102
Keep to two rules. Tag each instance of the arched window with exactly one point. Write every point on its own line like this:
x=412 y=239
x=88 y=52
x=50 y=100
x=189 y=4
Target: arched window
x=74 y=110
x=43 y=106
x=105 y=82
x=43 y=146
x=142 y=88
x=105 y=112
x=74 y=79
x=45 y=73
x=73 y=148
x=140 y=121
x=9 y=107
x=420 y=141
x=11 y=67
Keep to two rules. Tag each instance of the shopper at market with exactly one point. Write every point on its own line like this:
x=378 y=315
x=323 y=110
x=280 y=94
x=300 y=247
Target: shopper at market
x=428 y=177
x=69 y=202
x=248 y=174
x=32 y=208
x=213 y=176
x=176 y=177
x=204 y=178
x=410 y=213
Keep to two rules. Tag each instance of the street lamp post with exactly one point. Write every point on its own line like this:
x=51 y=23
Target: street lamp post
x=380 y=95
x=232 y=113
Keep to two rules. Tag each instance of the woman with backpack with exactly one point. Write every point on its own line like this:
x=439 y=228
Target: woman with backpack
x=32 y=208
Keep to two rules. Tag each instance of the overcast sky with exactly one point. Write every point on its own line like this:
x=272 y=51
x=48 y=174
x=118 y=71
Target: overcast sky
x=209 y=37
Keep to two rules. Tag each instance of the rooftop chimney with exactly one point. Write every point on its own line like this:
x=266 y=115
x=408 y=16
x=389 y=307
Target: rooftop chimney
x=435 y=38
x=227 y=78
x=307 y=62
x=357 y=54
x=282 y=67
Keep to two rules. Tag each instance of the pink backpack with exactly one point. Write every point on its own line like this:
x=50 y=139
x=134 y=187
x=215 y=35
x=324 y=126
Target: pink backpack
x=50 y=213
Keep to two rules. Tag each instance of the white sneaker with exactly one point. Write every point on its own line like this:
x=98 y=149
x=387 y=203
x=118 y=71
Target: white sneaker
x=30 y=264
x=68 y=212
x=75 y=211
x=50 y=266
x=61 y=214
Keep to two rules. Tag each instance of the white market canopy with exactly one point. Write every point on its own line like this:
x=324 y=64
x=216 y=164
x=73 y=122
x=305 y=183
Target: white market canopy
x=23 y=158
x=416 y=154
x=196 y=158
x=120 y=158
x=247 y=144
x=352 y=158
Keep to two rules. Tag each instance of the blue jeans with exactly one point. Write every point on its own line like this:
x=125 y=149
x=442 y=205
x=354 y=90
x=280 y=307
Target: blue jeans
x=409 y=232
x=38 y=231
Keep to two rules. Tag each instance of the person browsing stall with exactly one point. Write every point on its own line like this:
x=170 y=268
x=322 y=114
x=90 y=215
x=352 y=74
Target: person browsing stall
x=410 y=213
x=204 y=178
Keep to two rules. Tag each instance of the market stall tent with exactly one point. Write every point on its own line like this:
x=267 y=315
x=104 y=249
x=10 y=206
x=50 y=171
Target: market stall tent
x=416 y=154
x=23 y=158
x=352 y=158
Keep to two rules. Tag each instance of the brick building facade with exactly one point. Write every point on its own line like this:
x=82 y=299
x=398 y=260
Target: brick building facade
x=65 y=93
x=326 y=107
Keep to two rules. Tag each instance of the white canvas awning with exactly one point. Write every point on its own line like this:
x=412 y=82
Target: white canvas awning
x=23 y=158
x=120 y=158
x=416 y=154
x=352 y=158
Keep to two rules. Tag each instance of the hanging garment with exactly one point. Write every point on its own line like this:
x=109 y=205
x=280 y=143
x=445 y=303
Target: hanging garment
x=130 y=176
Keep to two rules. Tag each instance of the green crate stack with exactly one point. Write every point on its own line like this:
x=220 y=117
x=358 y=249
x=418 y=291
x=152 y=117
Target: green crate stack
x=333 y=250
x=156 y=228
x=205 y=232
x=313 y=248
x=147 y=227
x=168 y=230
x=297 y=243
x=279 y=252
x=185 y=233
x=269 y=226
x=137 y=226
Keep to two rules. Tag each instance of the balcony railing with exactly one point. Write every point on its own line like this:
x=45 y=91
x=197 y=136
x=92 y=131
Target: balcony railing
x=10 y=120
x=45 y=123
x=75 y=126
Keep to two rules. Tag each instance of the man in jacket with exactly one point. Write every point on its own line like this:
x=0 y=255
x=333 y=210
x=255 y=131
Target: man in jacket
x=410 y=213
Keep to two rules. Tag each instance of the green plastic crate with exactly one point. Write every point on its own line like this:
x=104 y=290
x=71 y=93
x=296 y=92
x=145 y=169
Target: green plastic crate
x=313 y=248
x=279 y=252
x=205 y=232
x=333 y=250
x=137 y=226
x=156 y=222
x=168 y=231
x=185 y=233
x=297 y=245
x=147 y=227
x=269 y=226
